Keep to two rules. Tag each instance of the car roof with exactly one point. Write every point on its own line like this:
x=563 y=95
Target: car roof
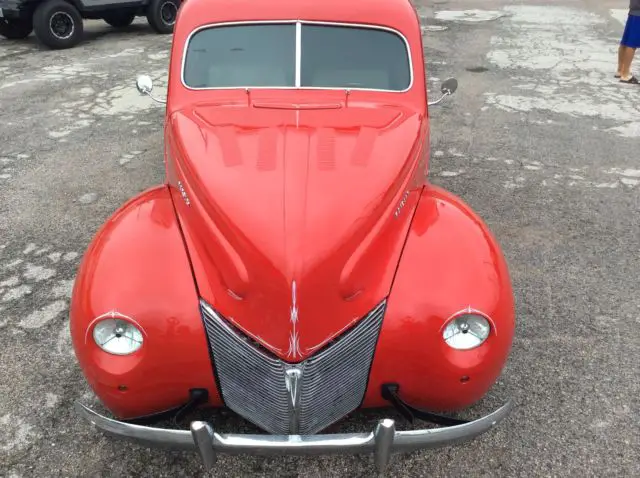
x=397 y=14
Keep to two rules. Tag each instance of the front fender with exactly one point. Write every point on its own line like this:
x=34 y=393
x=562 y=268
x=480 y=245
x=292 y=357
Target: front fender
x=137 y=267
x=450 y=263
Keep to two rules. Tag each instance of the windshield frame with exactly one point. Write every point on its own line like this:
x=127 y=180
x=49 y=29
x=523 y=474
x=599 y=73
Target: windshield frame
x=298 y=55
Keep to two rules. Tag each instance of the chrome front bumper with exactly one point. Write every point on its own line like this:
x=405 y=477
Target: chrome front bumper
x=382 y=442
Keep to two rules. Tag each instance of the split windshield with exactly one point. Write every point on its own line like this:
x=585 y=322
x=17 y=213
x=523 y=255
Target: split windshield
x=264 y=56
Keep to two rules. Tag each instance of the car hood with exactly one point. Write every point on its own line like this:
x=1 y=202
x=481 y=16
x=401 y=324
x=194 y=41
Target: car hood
x=294 y=217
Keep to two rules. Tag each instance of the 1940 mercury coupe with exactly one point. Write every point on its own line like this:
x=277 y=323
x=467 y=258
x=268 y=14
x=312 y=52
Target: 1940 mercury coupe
x=296 y=265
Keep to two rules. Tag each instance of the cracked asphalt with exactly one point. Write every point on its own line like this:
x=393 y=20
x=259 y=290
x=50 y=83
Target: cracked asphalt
x=539 y=139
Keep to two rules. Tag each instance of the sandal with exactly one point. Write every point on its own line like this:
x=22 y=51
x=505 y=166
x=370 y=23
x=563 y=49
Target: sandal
x=616 y=76
x=632 y=81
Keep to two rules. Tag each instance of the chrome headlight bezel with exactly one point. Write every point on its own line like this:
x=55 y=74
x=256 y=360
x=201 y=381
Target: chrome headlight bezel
x=116 y=335
x=466 y=331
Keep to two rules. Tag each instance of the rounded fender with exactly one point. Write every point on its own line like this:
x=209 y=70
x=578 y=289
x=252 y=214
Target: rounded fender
x=137 y=268
x=450 y=264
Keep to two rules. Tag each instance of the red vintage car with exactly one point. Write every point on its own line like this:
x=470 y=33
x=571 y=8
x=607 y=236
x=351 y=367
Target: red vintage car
x=296 y=265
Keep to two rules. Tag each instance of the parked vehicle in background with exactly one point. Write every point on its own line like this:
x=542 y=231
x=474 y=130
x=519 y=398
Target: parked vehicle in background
x=58 y=24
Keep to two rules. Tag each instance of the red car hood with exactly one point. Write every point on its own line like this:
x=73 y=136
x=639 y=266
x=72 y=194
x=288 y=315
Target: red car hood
x=296 y=217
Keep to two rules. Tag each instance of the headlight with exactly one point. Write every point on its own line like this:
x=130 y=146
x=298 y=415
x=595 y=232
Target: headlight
x=466 y=331
x=117 y=336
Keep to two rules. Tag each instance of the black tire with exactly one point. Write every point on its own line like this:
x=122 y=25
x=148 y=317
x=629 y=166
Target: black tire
x=119 y=19
x=162 y=14
x=15 y=29
x=58 y=24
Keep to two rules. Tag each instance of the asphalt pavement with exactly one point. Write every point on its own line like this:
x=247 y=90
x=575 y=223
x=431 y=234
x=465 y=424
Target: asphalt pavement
x=539 y=139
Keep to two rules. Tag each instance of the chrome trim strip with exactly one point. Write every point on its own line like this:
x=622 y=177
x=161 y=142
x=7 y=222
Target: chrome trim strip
x=383 y=441
x=299 y=24
x=298 y=53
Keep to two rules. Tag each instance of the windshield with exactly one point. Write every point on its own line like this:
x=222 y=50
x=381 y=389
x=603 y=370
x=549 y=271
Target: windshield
x=242 y=55
x=263 y=55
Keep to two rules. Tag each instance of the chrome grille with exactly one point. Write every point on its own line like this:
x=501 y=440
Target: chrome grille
x=252 y=383
x=332 y=384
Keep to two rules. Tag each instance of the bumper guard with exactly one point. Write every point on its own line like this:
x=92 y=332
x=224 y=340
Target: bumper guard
x=382 y=441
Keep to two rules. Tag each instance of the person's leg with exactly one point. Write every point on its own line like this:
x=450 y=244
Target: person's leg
x=628 y=44
x=621 y=50
x=627 y=59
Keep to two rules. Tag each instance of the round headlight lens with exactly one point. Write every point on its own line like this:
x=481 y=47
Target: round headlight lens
x=466 y=332
x=116 y=336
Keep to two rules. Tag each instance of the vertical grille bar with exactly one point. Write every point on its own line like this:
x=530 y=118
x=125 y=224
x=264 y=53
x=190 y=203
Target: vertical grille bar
x=332 y=382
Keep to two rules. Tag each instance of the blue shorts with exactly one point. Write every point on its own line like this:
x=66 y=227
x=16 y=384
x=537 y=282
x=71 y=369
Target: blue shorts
x=631 y=36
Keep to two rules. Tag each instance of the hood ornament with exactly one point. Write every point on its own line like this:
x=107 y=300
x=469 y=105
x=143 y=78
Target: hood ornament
x=293 y=380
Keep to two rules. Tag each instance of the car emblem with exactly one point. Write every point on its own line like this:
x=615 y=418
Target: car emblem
x=293 y=380
x=403 y=201
x=183 y=193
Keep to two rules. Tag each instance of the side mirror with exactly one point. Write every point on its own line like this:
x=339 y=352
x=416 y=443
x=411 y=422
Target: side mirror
x=449 y=87
x=144 y=84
